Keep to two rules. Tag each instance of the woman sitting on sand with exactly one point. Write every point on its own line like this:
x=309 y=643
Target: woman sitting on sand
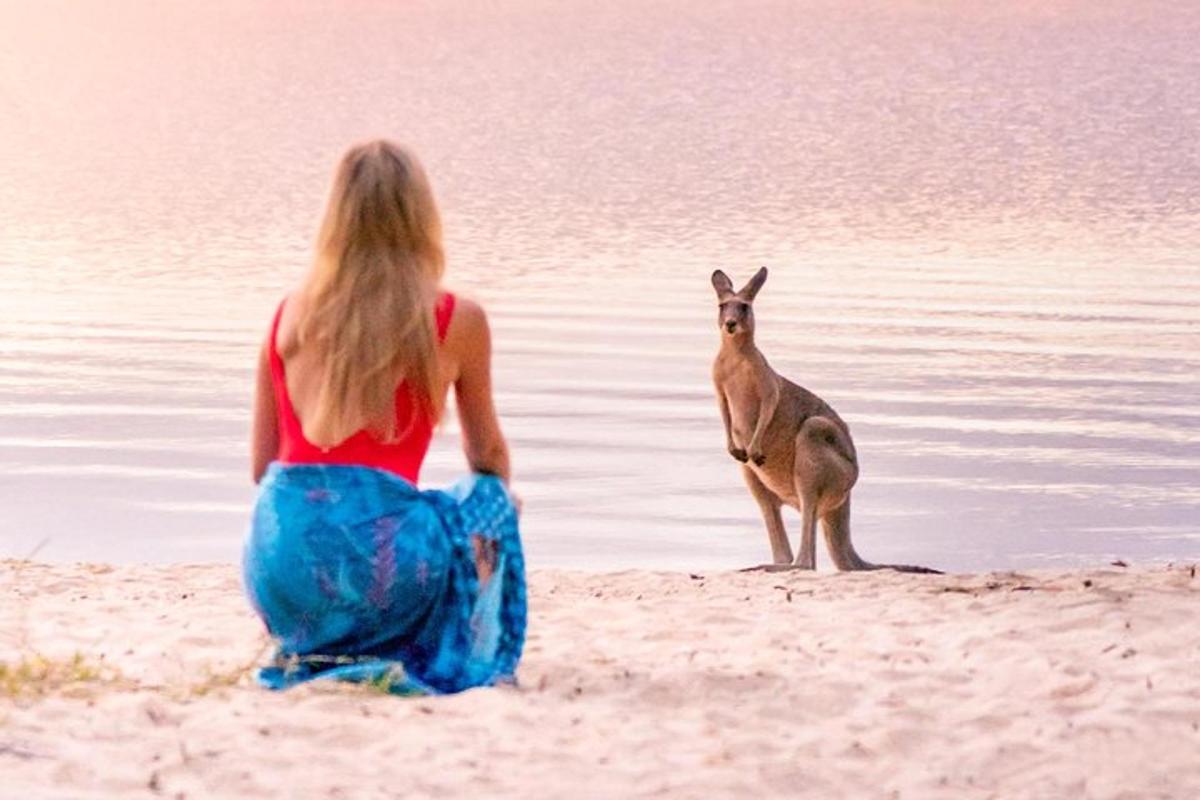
x=356 y=572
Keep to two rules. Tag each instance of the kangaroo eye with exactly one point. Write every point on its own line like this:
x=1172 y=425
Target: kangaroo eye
x=829 y=439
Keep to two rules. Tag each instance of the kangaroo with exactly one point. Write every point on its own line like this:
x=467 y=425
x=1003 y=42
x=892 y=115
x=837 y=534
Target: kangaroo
x=794 y=449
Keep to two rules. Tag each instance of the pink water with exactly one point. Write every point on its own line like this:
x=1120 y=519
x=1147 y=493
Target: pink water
x=982 y=220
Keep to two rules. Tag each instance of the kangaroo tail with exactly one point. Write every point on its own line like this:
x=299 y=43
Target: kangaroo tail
x=909 y=568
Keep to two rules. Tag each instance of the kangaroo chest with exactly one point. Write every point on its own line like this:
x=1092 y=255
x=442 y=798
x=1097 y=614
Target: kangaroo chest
x=742 y=384
x=743 y=403
x=739 y=381
x=776 y=473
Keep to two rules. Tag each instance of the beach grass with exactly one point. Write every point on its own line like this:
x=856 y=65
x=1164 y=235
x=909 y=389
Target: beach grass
x=36 y=675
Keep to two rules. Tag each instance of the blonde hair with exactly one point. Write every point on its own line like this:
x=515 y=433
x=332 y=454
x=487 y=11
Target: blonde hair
x=368 y=305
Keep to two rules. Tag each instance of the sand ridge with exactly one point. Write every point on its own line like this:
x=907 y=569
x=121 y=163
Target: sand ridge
x=634 y=684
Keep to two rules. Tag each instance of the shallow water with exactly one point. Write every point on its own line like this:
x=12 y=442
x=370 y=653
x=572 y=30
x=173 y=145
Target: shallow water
x=983 y=226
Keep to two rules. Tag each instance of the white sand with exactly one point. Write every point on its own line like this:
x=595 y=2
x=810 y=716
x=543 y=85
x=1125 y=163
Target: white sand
x=635 y=685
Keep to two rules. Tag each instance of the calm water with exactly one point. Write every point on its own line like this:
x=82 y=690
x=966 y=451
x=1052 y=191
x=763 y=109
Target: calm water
x=982 y=220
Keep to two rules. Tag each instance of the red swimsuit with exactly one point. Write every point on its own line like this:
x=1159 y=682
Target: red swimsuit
x=402 y=456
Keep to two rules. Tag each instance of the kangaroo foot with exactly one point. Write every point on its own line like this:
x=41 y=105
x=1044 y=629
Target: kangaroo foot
x=857 y=565
x=770 y=568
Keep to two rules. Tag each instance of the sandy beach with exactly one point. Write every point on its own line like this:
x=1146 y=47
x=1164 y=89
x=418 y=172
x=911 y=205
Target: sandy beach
x=131 y=681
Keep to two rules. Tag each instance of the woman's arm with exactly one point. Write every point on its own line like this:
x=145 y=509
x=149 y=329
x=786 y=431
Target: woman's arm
x=264 y=436
x=483 y=443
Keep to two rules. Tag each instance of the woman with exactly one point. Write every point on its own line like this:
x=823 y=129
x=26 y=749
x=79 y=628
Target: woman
x=357 y=573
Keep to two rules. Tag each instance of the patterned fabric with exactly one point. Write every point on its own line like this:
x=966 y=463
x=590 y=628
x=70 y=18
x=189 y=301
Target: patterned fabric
x=360 y=576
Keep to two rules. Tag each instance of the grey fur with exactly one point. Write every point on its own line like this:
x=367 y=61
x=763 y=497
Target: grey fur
x=794 y=449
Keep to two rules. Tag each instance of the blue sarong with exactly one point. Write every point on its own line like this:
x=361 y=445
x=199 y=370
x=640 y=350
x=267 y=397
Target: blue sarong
x=361 y=576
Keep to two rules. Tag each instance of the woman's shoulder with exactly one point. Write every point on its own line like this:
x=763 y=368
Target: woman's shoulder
x=286 y=315
x=468 y=336
x=469 y=315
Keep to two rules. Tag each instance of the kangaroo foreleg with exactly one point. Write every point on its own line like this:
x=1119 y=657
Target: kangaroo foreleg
x=766 y=412
x=733 y=450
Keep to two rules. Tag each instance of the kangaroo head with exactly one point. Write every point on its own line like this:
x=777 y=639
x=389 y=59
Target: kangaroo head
x=735 y=310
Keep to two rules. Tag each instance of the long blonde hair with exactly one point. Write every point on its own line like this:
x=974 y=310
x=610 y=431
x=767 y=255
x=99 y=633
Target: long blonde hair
x=368 y=304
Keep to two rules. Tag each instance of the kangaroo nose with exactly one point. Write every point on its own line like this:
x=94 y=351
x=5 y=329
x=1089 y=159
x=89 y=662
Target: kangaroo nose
x=730 y=326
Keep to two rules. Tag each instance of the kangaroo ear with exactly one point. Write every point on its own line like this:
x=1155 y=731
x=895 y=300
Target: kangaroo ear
x=722 y=284
x=749 y=291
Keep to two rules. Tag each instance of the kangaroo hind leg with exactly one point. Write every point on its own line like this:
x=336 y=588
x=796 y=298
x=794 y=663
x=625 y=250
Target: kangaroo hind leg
x=806 y=558
x=768 y=503
x=836 y=525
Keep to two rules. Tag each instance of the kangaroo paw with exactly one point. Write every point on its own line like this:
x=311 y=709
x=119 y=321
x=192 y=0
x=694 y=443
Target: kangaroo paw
x=758 y=458
x=739 y=454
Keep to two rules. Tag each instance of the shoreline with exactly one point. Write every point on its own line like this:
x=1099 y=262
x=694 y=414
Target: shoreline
x=1046 y=683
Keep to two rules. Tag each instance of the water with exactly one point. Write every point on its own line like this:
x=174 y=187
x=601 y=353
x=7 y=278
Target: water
x=983 y=226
